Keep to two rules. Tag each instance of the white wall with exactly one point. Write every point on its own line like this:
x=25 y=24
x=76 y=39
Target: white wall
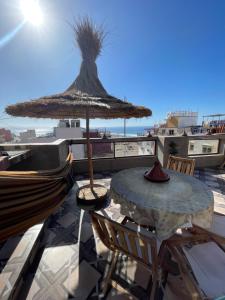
x=68 y=133
x=186 y=121
x=71 y=133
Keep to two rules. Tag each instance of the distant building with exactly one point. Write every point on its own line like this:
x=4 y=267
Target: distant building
x=192 y=130
x=178 y=122
x=75 y=123
x=68 y=130
x=71 y=130
x=2 y=140
x=182 y=119
x=6 y=135
x=215 y=122
x=27 y=136
x=64 y=124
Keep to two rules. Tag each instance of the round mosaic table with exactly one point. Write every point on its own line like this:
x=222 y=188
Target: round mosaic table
x=167 y=206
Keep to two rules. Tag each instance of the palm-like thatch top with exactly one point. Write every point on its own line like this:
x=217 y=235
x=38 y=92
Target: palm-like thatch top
x=86 y=92
x=89 y=39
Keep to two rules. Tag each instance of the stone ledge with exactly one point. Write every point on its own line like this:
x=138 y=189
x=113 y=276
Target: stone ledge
x=16 y=256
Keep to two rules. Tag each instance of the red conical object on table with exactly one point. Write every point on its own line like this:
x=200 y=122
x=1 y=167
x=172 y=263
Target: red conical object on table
x=156 y=174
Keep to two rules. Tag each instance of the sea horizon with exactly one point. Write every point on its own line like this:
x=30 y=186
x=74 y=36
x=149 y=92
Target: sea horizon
x=116 y=130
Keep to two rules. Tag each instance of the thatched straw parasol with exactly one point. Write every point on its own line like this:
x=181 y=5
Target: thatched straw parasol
x=86 y=97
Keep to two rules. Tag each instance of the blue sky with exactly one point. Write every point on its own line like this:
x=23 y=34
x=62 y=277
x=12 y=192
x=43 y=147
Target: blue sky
x=164 y=54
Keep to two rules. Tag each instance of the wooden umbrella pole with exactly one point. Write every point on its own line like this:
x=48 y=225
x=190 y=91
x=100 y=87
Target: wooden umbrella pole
x=89 y=150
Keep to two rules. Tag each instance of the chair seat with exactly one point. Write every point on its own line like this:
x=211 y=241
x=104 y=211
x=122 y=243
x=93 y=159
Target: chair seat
x=208 y=264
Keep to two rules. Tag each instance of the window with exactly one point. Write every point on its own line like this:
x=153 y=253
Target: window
x=163 y=131
x=191 y=147
x=195 y=130
x=171 y=132
x=206 y=149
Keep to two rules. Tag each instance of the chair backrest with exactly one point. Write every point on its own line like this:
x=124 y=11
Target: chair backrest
x=182 y=165
x=118 y=237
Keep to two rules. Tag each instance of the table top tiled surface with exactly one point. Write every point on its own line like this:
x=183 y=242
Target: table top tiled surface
x=70 y=264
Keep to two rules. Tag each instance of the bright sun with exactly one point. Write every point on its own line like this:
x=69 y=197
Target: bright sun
x=32 y=11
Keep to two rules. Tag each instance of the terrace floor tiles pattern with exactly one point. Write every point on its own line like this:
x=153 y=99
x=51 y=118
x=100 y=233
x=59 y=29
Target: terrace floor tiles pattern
x=70 y=263
x=13 y=256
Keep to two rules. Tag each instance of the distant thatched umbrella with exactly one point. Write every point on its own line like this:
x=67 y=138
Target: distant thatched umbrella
x=86 y=97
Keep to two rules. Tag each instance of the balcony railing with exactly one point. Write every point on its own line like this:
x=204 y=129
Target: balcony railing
x=115 y=148
x=120 y=153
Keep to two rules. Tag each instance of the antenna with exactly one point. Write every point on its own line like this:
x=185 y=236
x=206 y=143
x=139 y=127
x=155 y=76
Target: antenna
x=124 y=122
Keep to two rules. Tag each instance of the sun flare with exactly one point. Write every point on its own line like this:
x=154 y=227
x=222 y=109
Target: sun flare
x=32 y=11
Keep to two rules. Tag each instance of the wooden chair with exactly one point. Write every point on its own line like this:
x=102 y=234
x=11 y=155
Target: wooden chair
x=180 y=164
x=200 y=257
x=186 y=165
x=120 y=239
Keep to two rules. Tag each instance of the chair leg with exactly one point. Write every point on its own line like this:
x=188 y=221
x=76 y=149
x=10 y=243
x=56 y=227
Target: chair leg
x=153 y=289
x=110 y=271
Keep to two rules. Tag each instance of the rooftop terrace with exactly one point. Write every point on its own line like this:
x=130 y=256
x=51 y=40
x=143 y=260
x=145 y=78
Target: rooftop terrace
x=60 y=258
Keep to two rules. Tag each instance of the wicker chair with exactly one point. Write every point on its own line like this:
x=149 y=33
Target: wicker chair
x=180 y=164
x=200 y=257
x=121 y=239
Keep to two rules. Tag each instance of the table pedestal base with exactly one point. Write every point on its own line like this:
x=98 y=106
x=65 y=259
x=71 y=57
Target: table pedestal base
x=92 y=199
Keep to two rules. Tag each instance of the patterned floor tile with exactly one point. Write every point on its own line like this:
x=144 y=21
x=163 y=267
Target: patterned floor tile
x=101 y=250
x=8 y=247
x=119 y=293
x=59 y=257
x=82 y=281
x=133 y=272
x=66 y=220
x=213 y=184
x=14 y=255
x=35 y=289
x=5 y=284
x=86 y=232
